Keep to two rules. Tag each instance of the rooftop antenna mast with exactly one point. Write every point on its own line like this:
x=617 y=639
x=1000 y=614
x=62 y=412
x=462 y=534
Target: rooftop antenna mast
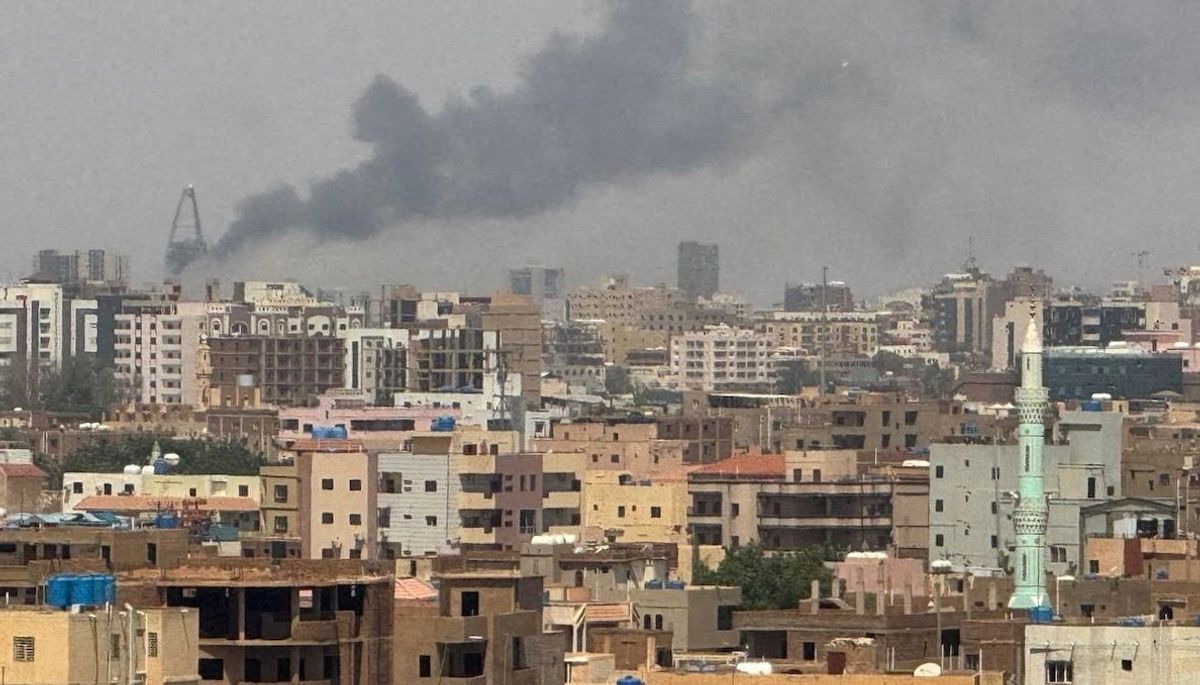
x=971 y=266
x=182 y=250
x=1141 y=256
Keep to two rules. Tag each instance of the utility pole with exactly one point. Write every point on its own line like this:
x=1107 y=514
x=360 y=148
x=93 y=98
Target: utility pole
x=824 y=325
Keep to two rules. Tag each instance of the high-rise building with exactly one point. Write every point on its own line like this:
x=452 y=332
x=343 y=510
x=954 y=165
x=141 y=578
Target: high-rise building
x=699 y=269
x=72 y=268
x=544 y=286
x=834 y=296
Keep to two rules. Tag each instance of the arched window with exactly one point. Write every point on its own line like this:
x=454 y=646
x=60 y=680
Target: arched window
x=658 y=621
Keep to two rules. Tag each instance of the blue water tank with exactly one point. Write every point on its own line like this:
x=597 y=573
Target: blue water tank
x=160 y=467
x=654 y=584
x=1041 y=615
x=166 y=521
x=442 y=424
x=82 y=590
x=100 y=584
x=337 y=433
x=110 y=589
x=58 y=590
x=629 y=680
x=1091 y=405
x=676 y=585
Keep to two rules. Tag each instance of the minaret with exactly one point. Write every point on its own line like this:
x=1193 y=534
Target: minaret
x=1029 y=518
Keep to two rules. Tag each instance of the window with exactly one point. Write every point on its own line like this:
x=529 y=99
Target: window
x=655 y=512
x=621 y=511
x=243 y=491
x=114 y=646
x=1093 y=565
x=733 y=509
x=77 y=487
x=281 y=524
x=326 y=483
x=810 y=651
x=725 y=617
x=615 y=458
x=23 y=648
x=1058 y=554
x=1058 y=672
x=327 y=517
x=431 y=486
x=939 y=505
x=151 y=553
x=212 y=669
x=152 y=644
x=939 y=471
x=356 y=519
x=939 y=540
x=281 y=494
x=1126 y=664
x=658 y=622
x=994 y=507
x=355 y=484
x=424 y=666
x=431 y=520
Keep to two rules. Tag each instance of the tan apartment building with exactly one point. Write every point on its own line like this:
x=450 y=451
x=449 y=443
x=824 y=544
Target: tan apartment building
x=155 y=343
x=615 y=445
x=840 y=335
x=21 y=487
x=486 y=629
x=338 y=487
x=617 y=302
x=29 y=555
x=699 y=618
x=618 y=507
x=721 y=358
x=884 y=421
x=279 y=621
x=798 y=499
x=619 y=341
x=154 y=646
x=288 y=370
x=518 y=320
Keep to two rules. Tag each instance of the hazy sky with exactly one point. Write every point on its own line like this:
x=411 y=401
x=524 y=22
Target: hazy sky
x=873 y=137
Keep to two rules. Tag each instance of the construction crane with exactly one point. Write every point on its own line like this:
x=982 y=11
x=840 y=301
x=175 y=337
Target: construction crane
x=181 y=250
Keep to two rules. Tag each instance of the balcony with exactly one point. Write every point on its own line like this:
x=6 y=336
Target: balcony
x=568 y=499
x=476 y=536
x=480 y=500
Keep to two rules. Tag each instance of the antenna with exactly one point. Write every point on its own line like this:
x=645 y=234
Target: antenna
x=971 y=265
x=1141 y=256
x=182 y=251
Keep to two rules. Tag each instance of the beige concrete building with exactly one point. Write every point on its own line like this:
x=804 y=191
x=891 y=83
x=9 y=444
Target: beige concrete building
x=485 y=629
x=611 y=445
x=1098 y=654
x=700 y=618
x=846 y=334
x=619 y=508
x=338 y=492
x=155 y=344
x=78 y=486
x=617 y=302
x=721 y=358
x=619 y=340
x=42 y=646
x=21 y=487
x=518 y=320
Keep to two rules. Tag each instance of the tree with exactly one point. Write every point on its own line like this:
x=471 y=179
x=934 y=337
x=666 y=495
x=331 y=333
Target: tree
x=937 y=382
x=794 y=375
x=617 y=381
x=890 y=361
x=81 y=385
x=110 y=454
x=778 y=581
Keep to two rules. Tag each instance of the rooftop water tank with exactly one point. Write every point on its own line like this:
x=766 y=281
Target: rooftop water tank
x=58 y=590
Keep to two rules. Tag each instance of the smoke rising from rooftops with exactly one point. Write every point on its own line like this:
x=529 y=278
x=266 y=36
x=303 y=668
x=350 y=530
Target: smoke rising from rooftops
x=617 y=106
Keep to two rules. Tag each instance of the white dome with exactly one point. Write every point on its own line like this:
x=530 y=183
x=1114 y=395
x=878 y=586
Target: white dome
x=147 y=470
x=132 y=470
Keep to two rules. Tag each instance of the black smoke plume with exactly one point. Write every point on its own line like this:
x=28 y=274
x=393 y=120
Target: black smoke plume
x=610 y=108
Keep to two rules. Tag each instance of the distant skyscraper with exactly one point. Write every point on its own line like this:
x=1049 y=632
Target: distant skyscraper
x=544 y=286
x=70 y=268
x=699 y=269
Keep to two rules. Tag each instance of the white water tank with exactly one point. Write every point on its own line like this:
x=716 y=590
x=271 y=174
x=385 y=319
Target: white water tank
x=132 y=470
x=755 y=668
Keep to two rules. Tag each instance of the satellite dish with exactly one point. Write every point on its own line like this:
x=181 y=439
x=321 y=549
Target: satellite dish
x=929 y=670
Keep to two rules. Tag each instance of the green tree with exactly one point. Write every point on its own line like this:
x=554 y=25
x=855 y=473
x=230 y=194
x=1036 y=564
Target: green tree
x=82 y=385
x=617 y=381
x=937 y=382
x=794 y=375
x=777 y=581
x=110 y=454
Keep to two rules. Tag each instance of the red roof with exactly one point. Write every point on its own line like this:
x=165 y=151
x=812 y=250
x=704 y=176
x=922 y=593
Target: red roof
x=414 y=590
x=22 y=471
x=151 y=503
x=746 y=465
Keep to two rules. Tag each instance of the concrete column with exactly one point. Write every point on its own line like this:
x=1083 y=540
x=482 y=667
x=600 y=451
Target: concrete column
x=880 y=597
x=815 y=596
x=992 y=596
x=907 y=598
x=241 y=613
x=967 y=598
x=860 y=602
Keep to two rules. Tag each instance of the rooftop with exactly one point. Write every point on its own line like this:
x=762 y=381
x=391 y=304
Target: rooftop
x=147 y=503
x=745 y=465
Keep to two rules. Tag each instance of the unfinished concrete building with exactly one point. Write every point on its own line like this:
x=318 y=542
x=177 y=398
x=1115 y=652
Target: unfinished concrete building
x=273 y=621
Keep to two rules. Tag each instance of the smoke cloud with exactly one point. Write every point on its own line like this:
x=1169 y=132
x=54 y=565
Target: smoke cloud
x=875 y=138
x=608 y=108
